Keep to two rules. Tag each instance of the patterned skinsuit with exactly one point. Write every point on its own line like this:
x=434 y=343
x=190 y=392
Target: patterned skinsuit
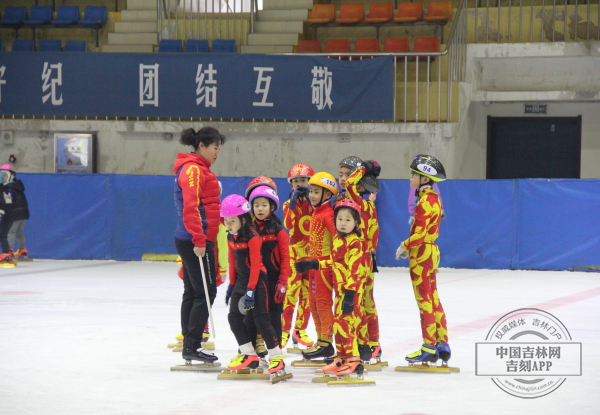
x=424 y=260
x=369 y=228
x=350 y=267
x=297 y=221
x=321 y=284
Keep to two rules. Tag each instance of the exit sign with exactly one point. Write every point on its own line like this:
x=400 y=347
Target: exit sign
x=535 y=109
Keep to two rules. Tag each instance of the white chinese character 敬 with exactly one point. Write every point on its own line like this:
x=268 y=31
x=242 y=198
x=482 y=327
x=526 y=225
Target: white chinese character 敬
x=321 y=87
x=208 y=94
x=51 y=82
x=149 y=85
x=263 y=90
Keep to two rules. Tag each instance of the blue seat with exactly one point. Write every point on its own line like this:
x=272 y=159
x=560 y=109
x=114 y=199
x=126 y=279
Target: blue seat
x=66 y=15
x=76 y=46
x=223 y=46
x=196 y=45
x=21 y=45
x=39 y=15
x=49 y=45
x=93 y=16
x=170 y=46
x=14 y=16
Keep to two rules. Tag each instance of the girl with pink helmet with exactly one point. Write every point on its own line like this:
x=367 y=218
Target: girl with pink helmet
x=6 y=212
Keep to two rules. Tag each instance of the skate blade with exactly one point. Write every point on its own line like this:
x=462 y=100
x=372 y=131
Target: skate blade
x=375 y=367
x=172 y=345
x=243 y=374
x=201 y=367
x=351 y=381
x=308 y=363
x=452 y=369
x=7 y=265
x=280 y=378
x=178 y=348
x=208 y=345
x=422 y=368
x=23 y=259
x=294 y=350
x=321 y=371
x=323 y=379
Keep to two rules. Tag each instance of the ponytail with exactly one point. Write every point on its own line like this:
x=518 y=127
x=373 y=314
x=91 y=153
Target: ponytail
x=206 y=136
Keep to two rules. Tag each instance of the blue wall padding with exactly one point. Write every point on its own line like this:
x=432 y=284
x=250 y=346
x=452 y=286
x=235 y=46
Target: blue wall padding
x=494 y=224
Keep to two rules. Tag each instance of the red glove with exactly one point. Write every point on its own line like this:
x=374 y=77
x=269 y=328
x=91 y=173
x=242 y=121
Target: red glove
x=280 y=292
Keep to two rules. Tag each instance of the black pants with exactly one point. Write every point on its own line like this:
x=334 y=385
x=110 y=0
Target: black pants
x=255 y=321
x=194 y=305
x=275 y=310
x=7 y=221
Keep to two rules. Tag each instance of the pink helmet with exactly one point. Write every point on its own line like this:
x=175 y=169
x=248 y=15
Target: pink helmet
x=8 y=166
x=234 y=205
x=264 y=191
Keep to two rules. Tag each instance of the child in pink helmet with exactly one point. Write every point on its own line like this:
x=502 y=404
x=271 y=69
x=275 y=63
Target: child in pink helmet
x=6 y=212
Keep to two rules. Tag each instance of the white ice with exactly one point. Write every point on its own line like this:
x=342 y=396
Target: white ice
x=90 y=337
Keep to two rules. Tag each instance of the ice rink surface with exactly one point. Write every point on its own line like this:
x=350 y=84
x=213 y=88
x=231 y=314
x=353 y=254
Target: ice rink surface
x=90 y=337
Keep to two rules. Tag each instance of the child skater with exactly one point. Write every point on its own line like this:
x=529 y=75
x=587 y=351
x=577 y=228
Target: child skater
x=424 y=256
x=323 y=188
x=350 y=264
x=275 y=250
x=247 y=288
x=296 y=219
x=20 y=212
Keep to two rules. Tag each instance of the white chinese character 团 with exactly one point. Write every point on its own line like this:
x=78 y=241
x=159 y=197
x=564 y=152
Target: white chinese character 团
x=2 y=81
x=51 y=82
x=208 y=94
x=263 y=90
x=149 y=85
x=321 y=87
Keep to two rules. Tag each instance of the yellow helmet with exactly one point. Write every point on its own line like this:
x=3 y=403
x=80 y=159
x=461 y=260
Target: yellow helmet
x=325 y=180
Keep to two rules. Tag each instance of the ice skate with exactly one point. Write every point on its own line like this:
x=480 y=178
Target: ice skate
x=277 y=370
x=243 y=367
x=351 y=373
x=260 y=348
x=179 y=344
x=205 y=343
x=423 y=360
x=374 y=363
x=209 y=362
x=328 y=371
x=323 y=349
x=445 y=353
x=6 y=260
x=285 y=336
x=302 y=338
x=21 y=255
x=294 y=348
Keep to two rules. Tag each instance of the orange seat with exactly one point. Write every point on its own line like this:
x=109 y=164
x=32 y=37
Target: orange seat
x=308 y=46
x=351 y=13
x=396 y=45
x=322 y=13
x=409 y=12
x=337 y=46
x=367 y=46
x=380 y=13
x=438 y=11
x=427 y=44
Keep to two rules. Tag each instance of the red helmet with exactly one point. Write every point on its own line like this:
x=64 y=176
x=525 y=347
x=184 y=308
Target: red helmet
x=300 y=170
x=260 y=181
x=349 y=203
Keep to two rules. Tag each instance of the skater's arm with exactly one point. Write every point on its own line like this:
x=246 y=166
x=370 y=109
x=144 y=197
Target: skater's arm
x=256 y=264
x=288 y=217
x=283 y=246
x=191 y=181
x=355 y=259
x=232 y=270
x=423 y=214
x=373 y=232
x=351 y=183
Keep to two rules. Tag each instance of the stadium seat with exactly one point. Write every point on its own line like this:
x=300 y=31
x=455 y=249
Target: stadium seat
x=438 y=11
x=21 y=45
x=322 y=13
x=66 y=15
x=196 y=45
x=409 y=12
x=39 y=15
x=93 y=16
x=367 y=46
x=337 y=46
x=380 y=13
x=14 y=16
x=308 y=46
x=427 y=44
x=351 y=13
x=170 y=46
x=224 y=46
x=76 y=46
x=49 y=45
x=393 y=45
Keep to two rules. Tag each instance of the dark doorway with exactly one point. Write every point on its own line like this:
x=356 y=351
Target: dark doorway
x=534 y=147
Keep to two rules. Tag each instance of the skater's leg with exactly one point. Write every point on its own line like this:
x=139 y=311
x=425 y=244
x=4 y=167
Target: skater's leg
x=21 y=235
x=345 y=326
x=420 y=277
x=275 y=311
x=261 y=317
x=313 y=301
x=371 y=310
x=291 y=297
x=12 y=233
x=238 y=326
x=5 y=226
x=324 y=300
x=303 y=310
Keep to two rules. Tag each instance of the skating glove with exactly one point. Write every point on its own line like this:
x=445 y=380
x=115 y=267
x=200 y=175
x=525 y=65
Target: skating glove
x=348 y=302
x=372 y=167
x=228 y=294
x=374 y=262
x=280 y=292
x=307 y=265
x=301 y=191
x=249 y=299
x=411 y=220
x=401 y=252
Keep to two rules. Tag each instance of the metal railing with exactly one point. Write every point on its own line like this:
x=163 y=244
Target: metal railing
x=516 y=21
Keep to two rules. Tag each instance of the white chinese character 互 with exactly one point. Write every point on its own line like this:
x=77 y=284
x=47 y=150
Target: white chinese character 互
x=208 y=94
x=2 y=81
x=321 y=87
x=149 y=85
x=263 y=90
x=51 y=82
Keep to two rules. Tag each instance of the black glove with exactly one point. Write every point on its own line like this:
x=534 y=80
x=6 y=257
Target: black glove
x=372 y=167
x=249 y=299
x=348 y=302
x=304 y=191
x=374 y=262
x=228 y=294
x=307 y=265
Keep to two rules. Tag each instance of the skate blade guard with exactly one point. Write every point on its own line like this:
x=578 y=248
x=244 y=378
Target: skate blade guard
x=199 y=367
x=23 y=259
x=308 y=363
x=294 y=349
x=177 y=347
x=243 y=374
x=423 y=368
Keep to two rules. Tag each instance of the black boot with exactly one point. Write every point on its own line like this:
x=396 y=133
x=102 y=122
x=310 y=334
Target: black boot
x=365 y=352
x=324 y=349
x=189 y=354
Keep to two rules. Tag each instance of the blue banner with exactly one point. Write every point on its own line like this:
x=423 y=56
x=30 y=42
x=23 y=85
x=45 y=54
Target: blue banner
x=308 y=88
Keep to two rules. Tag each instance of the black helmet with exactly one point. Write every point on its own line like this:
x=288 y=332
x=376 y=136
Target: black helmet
x=351 y=162
x=428 y=166
x=370 y=183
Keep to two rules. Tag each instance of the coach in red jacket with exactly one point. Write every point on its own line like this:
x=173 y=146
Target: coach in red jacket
x=197 y=202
